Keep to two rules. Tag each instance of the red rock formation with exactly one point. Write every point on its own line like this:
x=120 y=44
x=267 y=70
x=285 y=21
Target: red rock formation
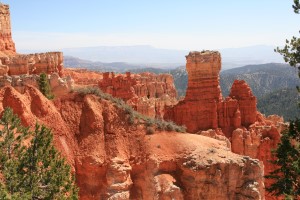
x=146 y=92
x=198 y=110
x=83 y=76
x=33 y=63
x=7 y=46
x=246 y=100
x=236 y=117
x=115 y=160
x=118 y=86
x=238 y=110
x=203 y=107
x=17 y=64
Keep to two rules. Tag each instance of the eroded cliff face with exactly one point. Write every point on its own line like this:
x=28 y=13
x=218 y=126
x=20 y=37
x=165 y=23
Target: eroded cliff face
x=115 y=160
x=32 y=64
x=198 y=110
x=83 y=77
x=236 y=116
x=146 y=92
x=7 y=46
x=12 y=63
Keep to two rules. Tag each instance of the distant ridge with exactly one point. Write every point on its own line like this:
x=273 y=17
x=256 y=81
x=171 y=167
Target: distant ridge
x=170 y=58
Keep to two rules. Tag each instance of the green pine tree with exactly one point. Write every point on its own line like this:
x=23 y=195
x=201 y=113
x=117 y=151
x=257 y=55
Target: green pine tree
x=44 y=86
x=35 y=170
x=47 y=175
x=287 y=176
x=11 y=149
x=291 y=50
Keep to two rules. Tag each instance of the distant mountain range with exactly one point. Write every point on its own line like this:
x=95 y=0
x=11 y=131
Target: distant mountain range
x=73 y=62
x=262 y=79
x=148 y=56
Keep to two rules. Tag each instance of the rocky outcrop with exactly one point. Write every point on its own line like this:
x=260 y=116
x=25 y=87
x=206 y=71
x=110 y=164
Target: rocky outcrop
x=32 y=64
x=237 y=110
x=83 y=77
x=203 y=107
x=115 y=160
x=12 y=63
x=236 y=116
x=59 y=86
x=246 y=100
x=146 y=92
x=258 y=141
x=19 y=70
x=198 y=110
x=7 y=46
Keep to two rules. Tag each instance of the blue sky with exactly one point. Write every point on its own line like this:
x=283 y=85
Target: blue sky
x=171 y=24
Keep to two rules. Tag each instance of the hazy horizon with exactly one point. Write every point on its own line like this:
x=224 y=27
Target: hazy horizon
x=178 y=25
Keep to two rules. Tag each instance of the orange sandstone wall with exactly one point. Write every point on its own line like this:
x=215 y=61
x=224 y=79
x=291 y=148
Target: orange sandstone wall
x=236 y=116
x=12 y=63
x=33 y=63
x=198 y=110
x=147 y=93
x=113 y=159
x=203 y=107
x=6 y=43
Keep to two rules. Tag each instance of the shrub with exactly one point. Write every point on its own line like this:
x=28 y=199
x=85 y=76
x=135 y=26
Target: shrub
x=149 y=122
x=149 y=131
x=133 y=115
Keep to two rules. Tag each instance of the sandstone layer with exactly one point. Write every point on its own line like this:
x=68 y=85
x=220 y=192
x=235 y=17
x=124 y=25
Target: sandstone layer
x=236 y=116
x=198 y=110
x=83 y=77
x=148 y=93
x=115 y=160
x=12 y=63
x=32 y=64
x=7 y=46
x=59 y=86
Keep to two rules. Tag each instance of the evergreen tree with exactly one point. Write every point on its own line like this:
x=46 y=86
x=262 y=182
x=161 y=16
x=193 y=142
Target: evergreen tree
x=44 y=86
x=291 y=50
x=35 y=170
x=11 y=149
x=47 y=175
x=287 y=176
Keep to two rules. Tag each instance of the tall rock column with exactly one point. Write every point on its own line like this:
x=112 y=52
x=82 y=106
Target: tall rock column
x=198 y=111
x=246 y=100
x=6 y=43
x=203 y=70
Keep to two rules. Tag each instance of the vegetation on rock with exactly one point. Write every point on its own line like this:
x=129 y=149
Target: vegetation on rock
x=44 y=86
x=287 y=176
x=133 y=116
x=30 y=166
